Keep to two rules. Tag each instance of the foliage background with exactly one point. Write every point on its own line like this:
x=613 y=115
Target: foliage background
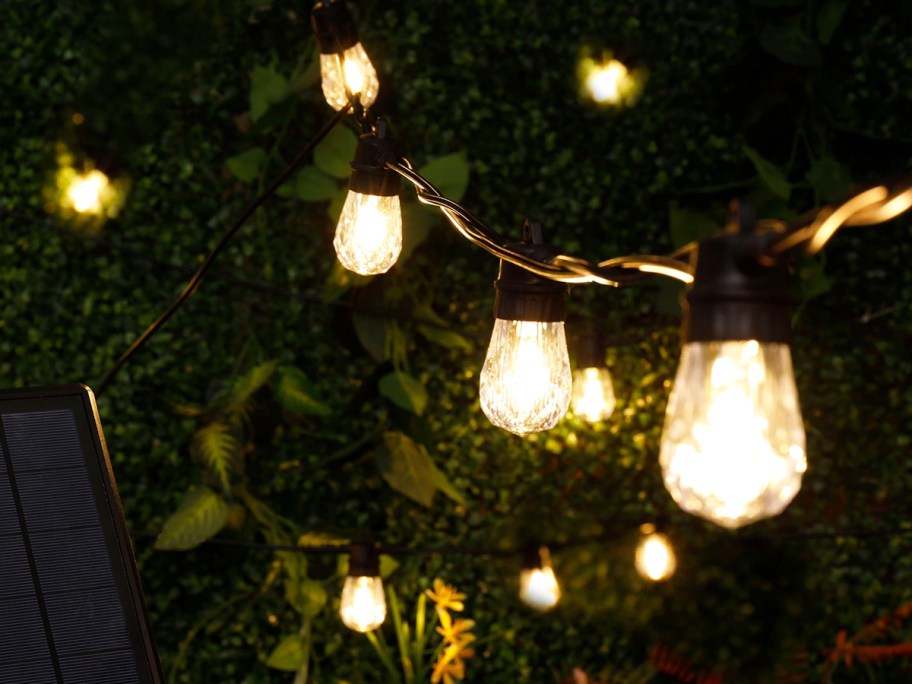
x=822 y=89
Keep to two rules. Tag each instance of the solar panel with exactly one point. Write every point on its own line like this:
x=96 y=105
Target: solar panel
x=71 y=606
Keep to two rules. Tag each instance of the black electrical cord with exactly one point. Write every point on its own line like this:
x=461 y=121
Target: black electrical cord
x=197 y=278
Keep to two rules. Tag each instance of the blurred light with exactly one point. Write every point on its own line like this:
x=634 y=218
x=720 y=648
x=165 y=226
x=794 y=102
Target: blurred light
x=538 y=586
x=655 y=559
x=86 y=192
x=608 y=81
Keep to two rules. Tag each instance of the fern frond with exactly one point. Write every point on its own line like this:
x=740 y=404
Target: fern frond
x=218 y=448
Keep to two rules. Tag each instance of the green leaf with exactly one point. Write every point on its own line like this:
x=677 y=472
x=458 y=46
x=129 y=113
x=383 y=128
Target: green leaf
x=291 y=654
x=306 y=596
x=201 y=515
x=769 y=173
x=443 y=484
x=267 y=87
x=295 y=392
x=373 y=332
x=388 y=565
x=407 y=468
x=812 y=279
x=829 y=16
x=235 y=398
x=340 y=280
x=334 y=154
x=829 y=178
x=417 y=221
x=217 y=446
x=312 y=185
x=246 y=166
x=790 y=44
x=449 y=174
x=334 y=209
x=445 y=338
x=688 y=226
x=404 y=391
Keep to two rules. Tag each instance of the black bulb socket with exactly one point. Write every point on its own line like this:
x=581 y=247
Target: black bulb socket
x=590 y=352
x=370 y=175
x=524 y=296
x=364 y=560
x=735 y=295
x=333 y=27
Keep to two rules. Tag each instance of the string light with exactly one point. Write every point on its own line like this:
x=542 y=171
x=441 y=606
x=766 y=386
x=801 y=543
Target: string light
x=345 y=68
x=369 y=233
x=525 y=382
x=363 y=605
x=86 y=192
x=593 y=392
x=538 y=586
x=733 y=443
x=655 y=558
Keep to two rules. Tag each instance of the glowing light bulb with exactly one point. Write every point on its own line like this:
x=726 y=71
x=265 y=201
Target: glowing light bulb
x=345 y=68
x=655 y=559
x=526 y=380
x=86 y=192
x=538 y=586
x=593 y=394
x=349 y=74
x=363 y=606
x=369 y=233
x=607 y=82
x=733 y=448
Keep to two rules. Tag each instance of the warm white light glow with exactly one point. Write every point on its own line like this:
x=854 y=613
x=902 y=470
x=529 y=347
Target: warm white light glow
x=352 y=74
x=655 y=559
x=86 y=192
x=607 y=82
x=363 y=606
x=526 y=380
x=733 y=443
x=593 y=394
x=538 y=587
x=369 y=234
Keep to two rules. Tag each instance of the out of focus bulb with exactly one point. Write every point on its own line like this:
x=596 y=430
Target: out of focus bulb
x=593 y=394
x=526 y=379
x=86 y=192
x=363 y=606
x=538 y=586
x=733 y=447
x=349 y=74
x=655 y=559
x=369 y=234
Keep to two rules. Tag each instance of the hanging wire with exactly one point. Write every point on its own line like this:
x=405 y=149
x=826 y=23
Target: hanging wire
x=197 y=278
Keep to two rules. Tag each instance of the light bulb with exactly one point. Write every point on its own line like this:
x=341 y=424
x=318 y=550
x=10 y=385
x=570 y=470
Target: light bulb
x=86 y=192
x=349 y=74
x=526 y=380
x=538 y=586
x=345 y=68
x=733 y=447
x=655 y=559
x=369 y=233
x=363 y=606
x=608 y=82
x=593 y=394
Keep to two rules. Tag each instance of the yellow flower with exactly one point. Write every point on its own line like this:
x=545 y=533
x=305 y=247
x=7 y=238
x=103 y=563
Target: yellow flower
x=455 y=632
x=446 y=597
x=451 y=665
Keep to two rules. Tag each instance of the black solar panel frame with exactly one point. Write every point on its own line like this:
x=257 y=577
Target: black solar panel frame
x=81 y=400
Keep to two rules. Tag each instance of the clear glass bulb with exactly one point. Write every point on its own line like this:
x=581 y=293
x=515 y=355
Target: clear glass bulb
x=352 y=74
x=363 y=606
x=538 y=588
x=369 y=234
x=593 y=394
x=655 y=559
x=733 y=443
x=526 y=380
